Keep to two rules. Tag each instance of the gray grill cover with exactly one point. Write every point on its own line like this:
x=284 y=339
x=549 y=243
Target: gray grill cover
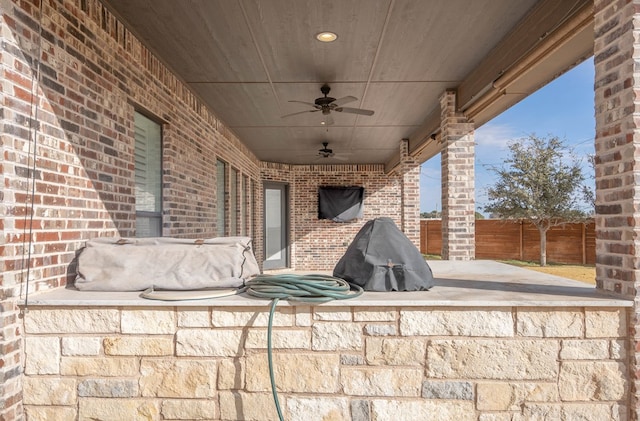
x=382 y=258
x=135 y=264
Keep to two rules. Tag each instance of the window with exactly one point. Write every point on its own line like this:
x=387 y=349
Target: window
x=233 y=202
x=148 y=176
x=221 y=182
x=254 y=199
x=246 y=211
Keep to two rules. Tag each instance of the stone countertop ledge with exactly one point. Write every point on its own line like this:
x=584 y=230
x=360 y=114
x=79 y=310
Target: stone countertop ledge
x=478 y=283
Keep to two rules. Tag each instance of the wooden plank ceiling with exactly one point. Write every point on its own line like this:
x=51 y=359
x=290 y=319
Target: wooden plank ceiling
x=248 y=58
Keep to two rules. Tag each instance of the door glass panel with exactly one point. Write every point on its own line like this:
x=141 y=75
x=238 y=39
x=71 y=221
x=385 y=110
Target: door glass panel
x=273 y=224
x=220 y=189
x=276 y=228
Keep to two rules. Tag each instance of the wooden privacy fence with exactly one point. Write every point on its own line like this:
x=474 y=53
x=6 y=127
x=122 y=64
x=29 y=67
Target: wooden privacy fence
x=499 y=239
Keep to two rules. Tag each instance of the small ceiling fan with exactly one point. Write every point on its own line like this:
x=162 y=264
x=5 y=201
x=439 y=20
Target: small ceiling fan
x=328 y=104
x=325 y=152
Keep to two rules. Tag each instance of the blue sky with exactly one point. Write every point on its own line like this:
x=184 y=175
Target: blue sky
x=563 y=108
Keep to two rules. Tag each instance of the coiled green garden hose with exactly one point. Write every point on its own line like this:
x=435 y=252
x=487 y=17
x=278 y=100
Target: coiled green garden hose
x=311 y=288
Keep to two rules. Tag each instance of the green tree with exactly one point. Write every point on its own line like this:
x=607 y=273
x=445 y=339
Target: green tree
x=431 y=215
x=541 y=181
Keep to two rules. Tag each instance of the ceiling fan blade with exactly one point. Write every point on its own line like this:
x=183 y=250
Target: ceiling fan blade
x=338 y=157
x=311 y=104
x=299 y=112
x=353 y=110
x=344 y=100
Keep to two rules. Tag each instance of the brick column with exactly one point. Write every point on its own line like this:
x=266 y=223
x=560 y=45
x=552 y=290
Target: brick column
x=617 y=88
x=410 y=178
x=458 y=182
x=14 y=164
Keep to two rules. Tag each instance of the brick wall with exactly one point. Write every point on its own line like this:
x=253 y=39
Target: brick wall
x=410 y=210
x=348 y=363
x=92 y=76
x=318 y=244
x=617 y=136
x=617 y=88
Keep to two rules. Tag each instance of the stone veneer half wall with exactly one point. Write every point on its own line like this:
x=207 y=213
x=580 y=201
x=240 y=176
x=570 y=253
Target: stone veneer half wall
x=331 y=362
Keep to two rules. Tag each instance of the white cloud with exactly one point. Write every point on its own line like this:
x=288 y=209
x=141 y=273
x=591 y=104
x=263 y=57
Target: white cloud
x=495 y=135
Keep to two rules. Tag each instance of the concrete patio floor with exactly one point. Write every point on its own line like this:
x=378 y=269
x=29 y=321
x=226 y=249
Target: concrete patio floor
x=457 y=283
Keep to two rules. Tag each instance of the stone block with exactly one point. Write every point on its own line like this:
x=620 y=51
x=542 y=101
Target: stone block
x=48 y=413
x=80 y=345
x=303 y=316
x=138 y=345
x=108 y=388
x=49 y=391
x=458 y=390
x=504 y=416
x=332 y=314
x=72 y=321
x=534 y=412
x=334 y=336
x=485 y=323
x=149 y=322
x=97 y=367
x=493 y=359
x=586 y=412
x=619 y=412
x=550 y=324
x=380 y=330
x=285 y=339
x=618 y=350
x=192 y=409
x=194 y=317
x=252 y=317
x=299 y=373
x=395 y=351
x=210 y=343
x=379 y=381
x=606 y=323
x=231 y=374
x=381 y=314
x=586 y=349
x=533 y=392
x=178 y=378
x=42 y=355
x=248 y=406
x=360 y=410
x=118 y=409
x=350 y=359
x=423 y=410
x=329 y=408
x=592 y=381
x=494 y=396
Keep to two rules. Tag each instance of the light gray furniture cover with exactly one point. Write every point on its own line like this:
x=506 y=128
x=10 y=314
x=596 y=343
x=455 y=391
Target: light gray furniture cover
x=135 y=264
x=382 y=258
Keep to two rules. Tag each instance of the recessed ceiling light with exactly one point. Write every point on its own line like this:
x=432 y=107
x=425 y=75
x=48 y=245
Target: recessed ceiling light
x=326 y=36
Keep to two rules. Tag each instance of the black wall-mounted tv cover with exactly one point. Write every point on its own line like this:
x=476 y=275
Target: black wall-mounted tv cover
x=340 y=204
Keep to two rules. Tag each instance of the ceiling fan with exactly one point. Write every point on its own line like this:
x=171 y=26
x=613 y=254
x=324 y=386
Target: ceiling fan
x=327 y=104
x=325 y=152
